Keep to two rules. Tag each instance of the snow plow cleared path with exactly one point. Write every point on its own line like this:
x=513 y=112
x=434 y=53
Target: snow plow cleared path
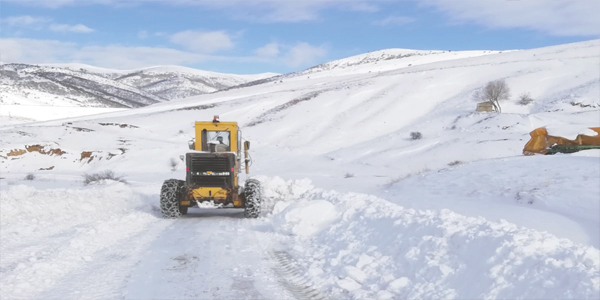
x=128 y=251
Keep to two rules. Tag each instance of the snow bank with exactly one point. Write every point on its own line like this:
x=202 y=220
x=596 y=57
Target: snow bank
x=379 y=250
x=303 y=218
x=49 y=235
x=23 y=204
x=282 y=200
x=275 y=189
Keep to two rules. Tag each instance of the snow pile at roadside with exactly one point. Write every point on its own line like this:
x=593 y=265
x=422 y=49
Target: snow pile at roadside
x=22 y=204
x=49 y=234
x=282 y=200
x=276 y=190
x=303 y=218
x=369 y=248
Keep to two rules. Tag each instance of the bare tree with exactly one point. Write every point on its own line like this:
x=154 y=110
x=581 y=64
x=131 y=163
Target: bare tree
x=493 y=92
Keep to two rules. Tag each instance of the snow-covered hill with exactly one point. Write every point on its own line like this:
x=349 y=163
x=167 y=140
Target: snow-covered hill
x=376 y=61
x=171 y=82
x=29 y=84
x=354 y=208
x=390 y=59
x=27 y=88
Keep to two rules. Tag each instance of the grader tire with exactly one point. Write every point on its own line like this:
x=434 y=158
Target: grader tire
x=252 y=198
x=170 y=194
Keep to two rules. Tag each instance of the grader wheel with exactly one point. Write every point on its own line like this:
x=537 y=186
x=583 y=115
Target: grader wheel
x=253 y=198
x=170 y=194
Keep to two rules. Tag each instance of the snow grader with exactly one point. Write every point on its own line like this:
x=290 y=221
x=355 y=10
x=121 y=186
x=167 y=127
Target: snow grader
x=212 y=169
x=543 y=143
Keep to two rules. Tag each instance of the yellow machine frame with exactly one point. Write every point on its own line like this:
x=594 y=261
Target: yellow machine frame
x=218 y=194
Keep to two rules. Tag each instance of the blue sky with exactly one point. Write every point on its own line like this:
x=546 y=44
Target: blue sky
x=255 y=36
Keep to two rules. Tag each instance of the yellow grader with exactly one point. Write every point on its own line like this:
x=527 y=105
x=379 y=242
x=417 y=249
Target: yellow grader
x=543 y=143
x=212 y=169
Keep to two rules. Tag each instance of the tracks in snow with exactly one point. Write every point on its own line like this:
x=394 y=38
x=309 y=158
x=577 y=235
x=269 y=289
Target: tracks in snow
x=293 y=279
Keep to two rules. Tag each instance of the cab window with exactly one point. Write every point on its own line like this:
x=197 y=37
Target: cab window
x=219 y=137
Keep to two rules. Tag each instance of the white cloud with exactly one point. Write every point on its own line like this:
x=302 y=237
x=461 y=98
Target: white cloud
x=33 y=51
x=39 y=23
x=300 y=55
x=24 y=21
x=57 y=3
x=111 y=56
x=561 y=18
x=122 y=57
x=363 y=6
x=395 y=20
x=203 y=42
x=79 y=28
x=264 y=11
x=554 y=17
x=268 y=50
x=303 y=54
x=296 y=56
x=143 y=34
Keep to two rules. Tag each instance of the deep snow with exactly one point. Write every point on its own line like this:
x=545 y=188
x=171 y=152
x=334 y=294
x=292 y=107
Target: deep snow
x=353 y=208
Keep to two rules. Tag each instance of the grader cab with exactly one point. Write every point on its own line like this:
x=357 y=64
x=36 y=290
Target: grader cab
x=212 y=178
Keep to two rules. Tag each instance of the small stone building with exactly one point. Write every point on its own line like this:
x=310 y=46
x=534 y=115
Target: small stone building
x=485 y=106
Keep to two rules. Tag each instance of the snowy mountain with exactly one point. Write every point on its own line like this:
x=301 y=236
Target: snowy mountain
x=76 y=85
x=172 y=82
x=353 y=207
x=59 y=86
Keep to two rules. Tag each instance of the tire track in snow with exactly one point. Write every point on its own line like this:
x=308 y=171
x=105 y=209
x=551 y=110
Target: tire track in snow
x=208 y=254
x=293 y=279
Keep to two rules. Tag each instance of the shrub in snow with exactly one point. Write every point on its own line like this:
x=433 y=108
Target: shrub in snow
x=573 y=103
x=348 y=175
x=454 y=163
x=106 y=175
x=525 y=99
x=415 y=135
x=30 y=176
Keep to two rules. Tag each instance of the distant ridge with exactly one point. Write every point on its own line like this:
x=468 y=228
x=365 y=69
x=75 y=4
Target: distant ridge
x=394 y=59
x=88 y=86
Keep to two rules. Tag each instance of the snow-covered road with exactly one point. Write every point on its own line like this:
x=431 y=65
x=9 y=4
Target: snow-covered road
x=123 y=248
x=208 y=254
